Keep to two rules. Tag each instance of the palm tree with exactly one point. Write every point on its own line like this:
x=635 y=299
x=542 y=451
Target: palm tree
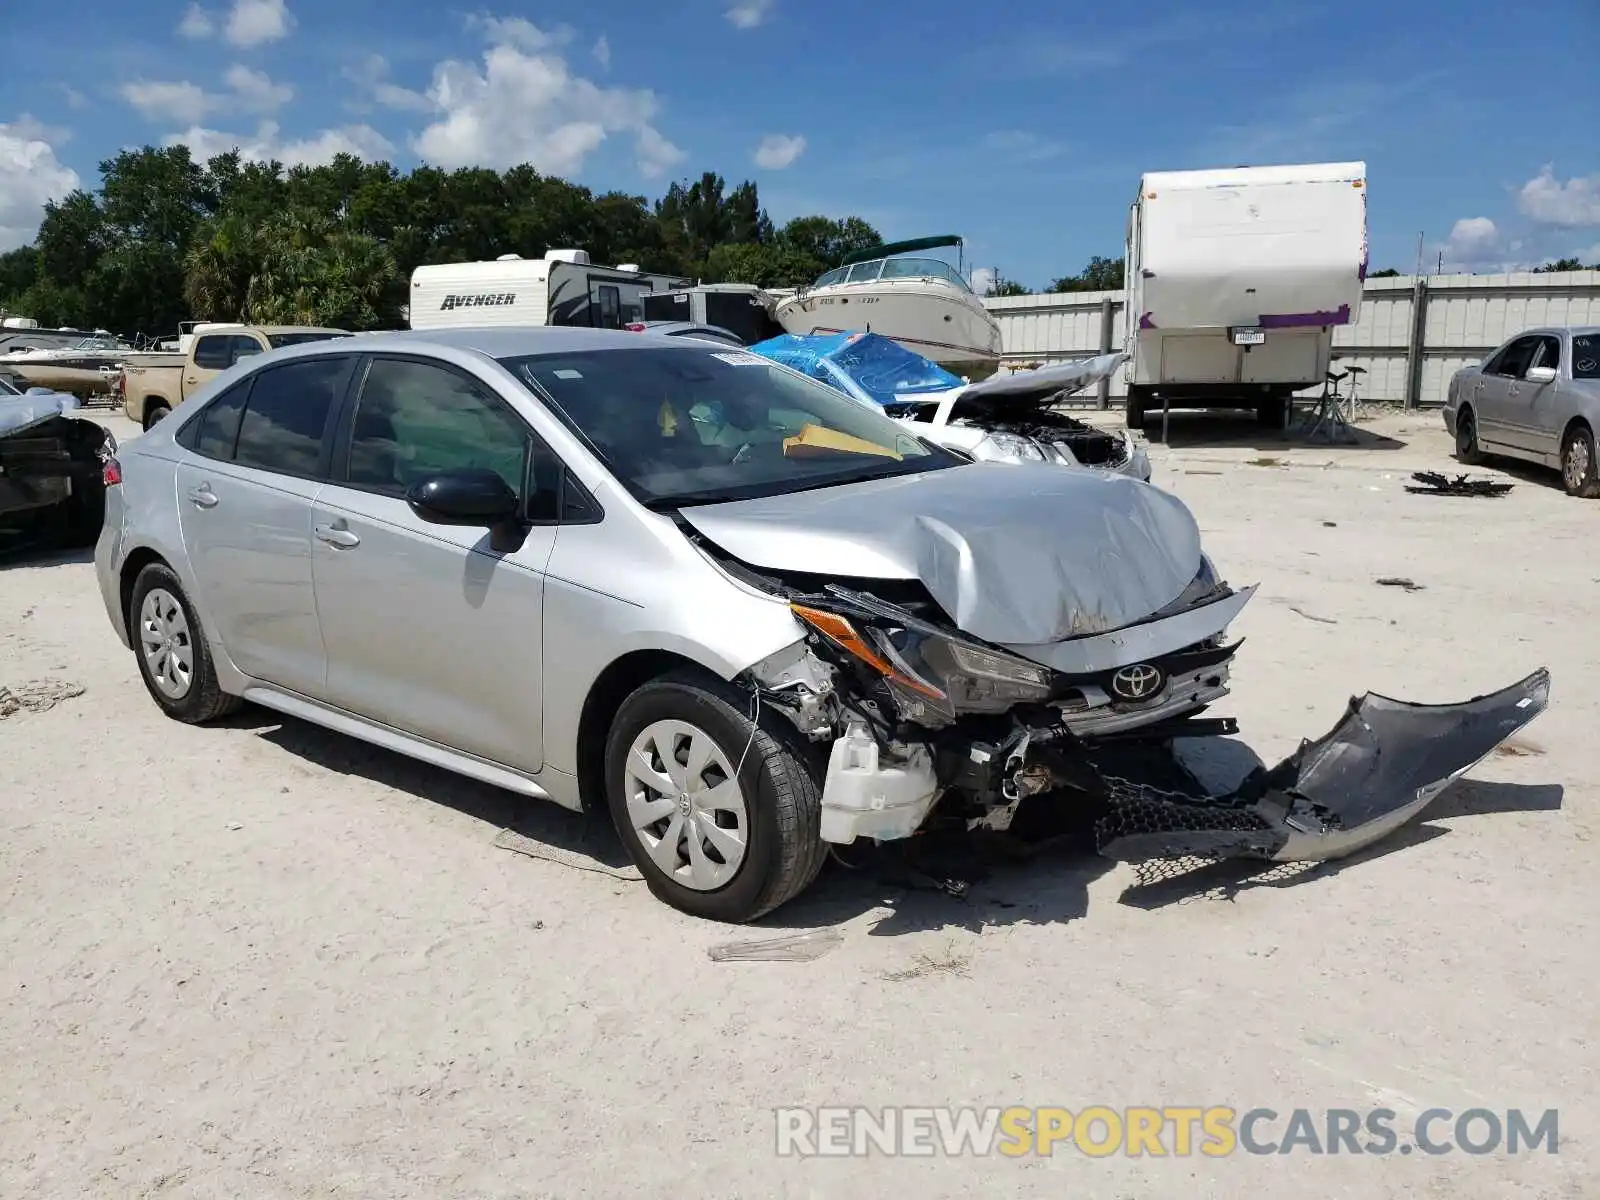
x=219 y=267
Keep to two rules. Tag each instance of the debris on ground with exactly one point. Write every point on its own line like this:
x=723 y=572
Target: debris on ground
x=1320 y=620
x=36 y=696
x=948 y=963
x=510 y=839
x=1435 y=484
x=1265 y=461
x=1515 y=748
x=1400 y=582
x=1330 y=524
x=796 y=947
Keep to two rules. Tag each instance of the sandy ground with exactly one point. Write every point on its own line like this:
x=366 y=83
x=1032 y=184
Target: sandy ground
x=262 y=960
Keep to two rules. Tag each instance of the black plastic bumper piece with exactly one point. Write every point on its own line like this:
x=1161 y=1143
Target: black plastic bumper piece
x=1375 y=770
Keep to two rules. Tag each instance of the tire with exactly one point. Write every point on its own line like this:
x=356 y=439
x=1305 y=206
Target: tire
x=154 y=414
x=1468 y=452
x=1133 y=412
x=202 y=699
x=1580 y=473
x=776 y=804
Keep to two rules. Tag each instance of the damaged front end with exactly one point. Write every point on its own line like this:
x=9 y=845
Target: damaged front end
x=923 y=721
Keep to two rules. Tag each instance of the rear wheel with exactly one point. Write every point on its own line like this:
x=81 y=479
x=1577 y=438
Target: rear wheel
x=1580 y=474
x=722 y=815
x=153 y=415
x=174 y=658
x=1468 y=452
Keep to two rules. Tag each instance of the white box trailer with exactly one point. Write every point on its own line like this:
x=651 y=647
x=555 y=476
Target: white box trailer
x=1235 y=282
x=562 y=288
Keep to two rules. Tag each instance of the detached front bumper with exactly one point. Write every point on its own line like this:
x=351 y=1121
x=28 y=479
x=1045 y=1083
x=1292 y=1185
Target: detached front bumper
x=1376 y=769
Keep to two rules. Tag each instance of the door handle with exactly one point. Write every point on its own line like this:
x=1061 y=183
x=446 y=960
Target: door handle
x=192 y=379
x=203 y=496
x=337 y=535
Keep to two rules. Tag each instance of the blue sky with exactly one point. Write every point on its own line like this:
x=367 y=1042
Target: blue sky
x=1023 y=126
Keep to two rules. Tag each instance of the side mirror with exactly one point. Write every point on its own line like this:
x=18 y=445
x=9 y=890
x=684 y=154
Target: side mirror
x=471 y=496
x=1541 y=375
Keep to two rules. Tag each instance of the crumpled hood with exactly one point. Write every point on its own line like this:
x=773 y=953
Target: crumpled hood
x=1013 y=553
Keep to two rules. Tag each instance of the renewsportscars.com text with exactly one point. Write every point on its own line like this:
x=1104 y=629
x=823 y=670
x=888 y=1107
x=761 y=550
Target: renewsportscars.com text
x=1159 y=1132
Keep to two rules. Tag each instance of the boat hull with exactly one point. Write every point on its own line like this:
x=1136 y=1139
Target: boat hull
x=934 y=320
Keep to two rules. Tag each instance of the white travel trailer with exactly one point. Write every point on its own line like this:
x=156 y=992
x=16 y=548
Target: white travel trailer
x=1236 y=280
x=562 y=288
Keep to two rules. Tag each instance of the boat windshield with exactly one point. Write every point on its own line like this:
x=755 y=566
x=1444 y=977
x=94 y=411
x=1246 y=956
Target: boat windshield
x=895 y=268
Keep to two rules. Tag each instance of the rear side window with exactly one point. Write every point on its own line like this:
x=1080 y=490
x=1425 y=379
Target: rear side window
x=214 y=353
x=284 y=421
x=218 y=426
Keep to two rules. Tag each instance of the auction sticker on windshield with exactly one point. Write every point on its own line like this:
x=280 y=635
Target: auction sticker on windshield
x=736 y=359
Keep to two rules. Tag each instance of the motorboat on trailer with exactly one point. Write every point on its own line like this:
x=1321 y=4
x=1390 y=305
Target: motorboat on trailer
x=891 y=290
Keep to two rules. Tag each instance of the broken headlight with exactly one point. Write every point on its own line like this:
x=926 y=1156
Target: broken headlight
x=930 y=674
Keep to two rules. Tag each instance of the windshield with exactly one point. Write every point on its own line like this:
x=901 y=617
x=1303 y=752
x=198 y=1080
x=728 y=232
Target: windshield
x=688 y=425
x=297 y=339
x=1586 y=356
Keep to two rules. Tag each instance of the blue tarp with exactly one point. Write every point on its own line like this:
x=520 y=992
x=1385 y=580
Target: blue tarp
x=864 y=365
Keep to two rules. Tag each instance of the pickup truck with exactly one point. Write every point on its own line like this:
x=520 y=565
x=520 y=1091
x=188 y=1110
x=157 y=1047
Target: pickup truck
x=157 y=384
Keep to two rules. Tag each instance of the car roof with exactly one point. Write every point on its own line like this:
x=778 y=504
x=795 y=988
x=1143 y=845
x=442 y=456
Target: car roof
x=500 y=342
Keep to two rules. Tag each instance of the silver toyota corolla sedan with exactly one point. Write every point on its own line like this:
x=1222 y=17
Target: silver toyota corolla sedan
x=750 y=615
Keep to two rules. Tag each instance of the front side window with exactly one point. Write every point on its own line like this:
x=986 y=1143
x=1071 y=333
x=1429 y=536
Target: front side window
x=684 y=425
x=1549 y=353
x=283 y=423
x=1518 y=356
x=416 y=419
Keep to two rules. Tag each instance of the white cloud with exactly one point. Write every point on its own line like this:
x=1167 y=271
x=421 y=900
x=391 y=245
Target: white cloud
x=255 y=22
x=747 y=14
x=657 y=156
x=519 y=32
x=1474 y=242
x=982 y=279
x=180 y=101
x=779 y=150
x=184 y=102
x=75 y=99
x=1574 y=204
x=602 y=52
x=529 y=107
x=30 y=174
x=255 y=91
x=372 y=74
x=196 y=23
x=267 y=143
x=1022 y=146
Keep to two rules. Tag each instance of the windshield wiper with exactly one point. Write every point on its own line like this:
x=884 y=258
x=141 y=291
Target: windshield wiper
x=686 y=499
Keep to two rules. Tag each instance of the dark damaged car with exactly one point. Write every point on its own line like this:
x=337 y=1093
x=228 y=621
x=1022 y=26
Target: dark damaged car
x=52 y=490
x=752 y=616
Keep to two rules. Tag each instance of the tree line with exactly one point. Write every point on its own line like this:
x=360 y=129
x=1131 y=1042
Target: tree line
x=166 y=239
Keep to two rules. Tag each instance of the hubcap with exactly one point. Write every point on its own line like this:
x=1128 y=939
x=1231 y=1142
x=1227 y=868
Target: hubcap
x=686 y=805
x=1577 y=462
x=165 y=643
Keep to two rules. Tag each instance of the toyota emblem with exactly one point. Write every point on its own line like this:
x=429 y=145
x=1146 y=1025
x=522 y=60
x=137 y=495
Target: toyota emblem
x=1138 y=682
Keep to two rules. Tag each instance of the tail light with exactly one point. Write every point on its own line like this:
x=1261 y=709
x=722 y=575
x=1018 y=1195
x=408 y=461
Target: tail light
x=111 y=471
x=635 y=327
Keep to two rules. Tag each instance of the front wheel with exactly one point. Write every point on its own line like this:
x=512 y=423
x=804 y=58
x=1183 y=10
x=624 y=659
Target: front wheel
x=1580 y=474
x=1468 y=452
x=721 y=814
